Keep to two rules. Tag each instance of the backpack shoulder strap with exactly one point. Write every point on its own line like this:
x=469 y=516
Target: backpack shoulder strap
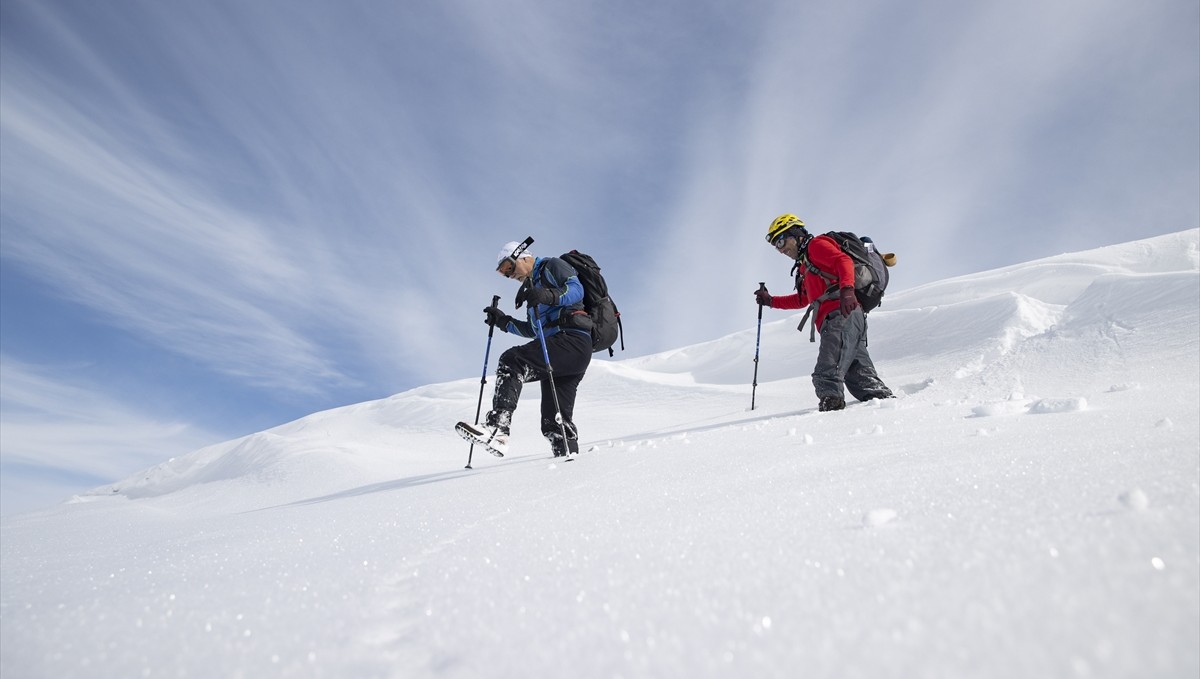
x=807 y=263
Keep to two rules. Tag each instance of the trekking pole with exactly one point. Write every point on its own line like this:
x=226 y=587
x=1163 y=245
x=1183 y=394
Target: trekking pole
x=757 y=340
x=558 y=418
x=483 y=380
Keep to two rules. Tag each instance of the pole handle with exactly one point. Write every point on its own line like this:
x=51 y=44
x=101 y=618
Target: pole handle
x=491 y=324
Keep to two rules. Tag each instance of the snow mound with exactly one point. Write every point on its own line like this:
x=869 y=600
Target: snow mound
x=1135 y=499
x=879 y=517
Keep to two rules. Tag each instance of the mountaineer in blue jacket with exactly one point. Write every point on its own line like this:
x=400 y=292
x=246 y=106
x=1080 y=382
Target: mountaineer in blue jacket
x=554 y=295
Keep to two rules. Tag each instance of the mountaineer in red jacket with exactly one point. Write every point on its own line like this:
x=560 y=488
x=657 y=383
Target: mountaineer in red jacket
x=842 y=357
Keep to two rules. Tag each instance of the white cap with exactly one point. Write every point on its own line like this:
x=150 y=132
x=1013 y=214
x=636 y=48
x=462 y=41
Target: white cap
x=507 y=251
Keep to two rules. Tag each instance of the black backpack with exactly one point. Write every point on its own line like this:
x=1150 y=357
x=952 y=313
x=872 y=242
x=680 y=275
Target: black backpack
x=870 y=274
x=606 y=319
x=870 y=271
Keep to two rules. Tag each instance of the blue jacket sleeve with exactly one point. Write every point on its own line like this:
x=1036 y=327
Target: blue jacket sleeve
x=522 y=328
x=564 y=280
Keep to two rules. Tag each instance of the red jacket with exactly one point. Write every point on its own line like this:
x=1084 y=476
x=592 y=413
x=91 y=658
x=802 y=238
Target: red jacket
x=825 y=254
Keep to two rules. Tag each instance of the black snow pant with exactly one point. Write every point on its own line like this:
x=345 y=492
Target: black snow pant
x=570 y=354
x=843 y=359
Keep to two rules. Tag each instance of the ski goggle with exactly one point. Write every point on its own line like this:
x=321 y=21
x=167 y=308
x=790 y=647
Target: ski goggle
x=508 y=266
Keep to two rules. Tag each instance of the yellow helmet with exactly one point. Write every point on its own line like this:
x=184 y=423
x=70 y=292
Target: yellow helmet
x=781 y=224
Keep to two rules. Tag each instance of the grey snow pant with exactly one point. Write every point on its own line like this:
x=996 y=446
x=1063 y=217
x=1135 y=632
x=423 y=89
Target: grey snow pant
x=843 y=359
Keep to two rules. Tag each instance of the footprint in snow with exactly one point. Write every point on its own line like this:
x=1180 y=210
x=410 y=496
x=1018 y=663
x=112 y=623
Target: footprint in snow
x=910 y=389
x=1058 y=405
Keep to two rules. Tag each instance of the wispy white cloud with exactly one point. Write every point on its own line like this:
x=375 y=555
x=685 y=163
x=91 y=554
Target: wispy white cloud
x=962 y=135
x=328 y=242
x=130 y=241
x=65 y=436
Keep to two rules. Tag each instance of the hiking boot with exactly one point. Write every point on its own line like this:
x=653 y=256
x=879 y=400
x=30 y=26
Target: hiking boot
x=570 y=449
x=496 y=431
x=499 y=419
x=829 y=403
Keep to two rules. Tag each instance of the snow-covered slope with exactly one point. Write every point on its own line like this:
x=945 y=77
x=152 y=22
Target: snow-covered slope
x=1029 y=506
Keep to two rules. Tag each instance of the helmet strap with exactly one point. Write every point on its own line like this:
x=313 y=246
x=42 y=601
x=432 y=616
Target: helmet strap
x=521 y=248
x=803 y=238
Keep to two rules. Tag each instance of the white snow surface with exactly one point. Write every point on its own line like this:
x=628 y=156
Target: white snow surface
x=1029 y=506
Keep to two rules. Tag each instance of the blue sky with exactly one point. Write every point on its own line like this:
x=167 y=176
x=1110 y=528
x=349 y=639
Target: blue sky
x=221 y=216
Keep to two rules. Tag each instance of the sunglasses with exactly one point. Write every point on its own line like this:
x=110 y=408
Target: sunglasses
x=778 y=242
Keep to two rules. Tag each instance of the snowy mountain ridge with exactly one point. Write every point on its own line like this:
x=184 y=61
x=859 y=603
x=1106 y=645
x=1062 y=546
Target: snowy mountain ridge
x=1028 y=506
x=1005 y=307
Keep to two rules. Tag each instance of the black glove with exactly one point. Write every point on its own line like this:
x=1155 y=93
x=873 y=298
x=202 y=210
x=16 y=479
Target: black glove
x=763 y=297
x=849 y=301
x=535 y=296
x=496 y=317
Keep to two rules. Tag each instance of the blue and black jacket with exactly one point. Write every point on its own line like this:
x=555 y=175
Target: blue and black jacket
x=567 y=313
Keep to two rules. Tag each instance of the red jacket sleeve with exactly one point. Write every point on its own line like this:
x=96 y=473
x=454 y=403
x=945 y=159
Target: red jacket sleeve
x=791 y=301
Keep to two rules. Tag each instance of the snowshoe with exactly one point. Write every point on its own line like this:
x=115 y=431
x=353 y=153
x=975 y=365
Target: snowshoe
x=491 y=438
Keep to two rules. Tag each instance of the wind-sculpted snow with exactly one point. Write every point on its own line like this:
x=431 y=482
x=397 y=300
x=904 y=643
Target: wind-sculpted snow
x=1135 y=303
x=1058 y=280
x=1029 y=506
